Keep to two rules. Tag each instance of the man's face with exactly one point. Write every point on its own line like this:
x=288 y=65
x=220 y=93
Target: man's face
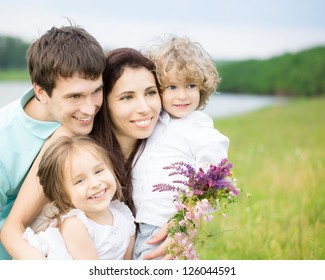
x=75 y=102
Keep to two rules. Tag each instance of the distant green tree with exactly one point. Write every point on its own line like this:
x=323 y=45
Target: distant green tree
x=299 y=74
x=12 y=53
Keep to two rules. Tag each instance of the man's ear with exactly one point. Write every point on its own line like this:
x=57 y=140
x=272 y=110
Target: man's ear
x=40 y=93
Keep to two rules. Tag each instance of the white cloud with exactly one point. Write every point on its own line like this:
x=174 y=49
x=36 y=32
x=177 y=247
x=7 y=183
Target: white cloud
x=225 y=32
x=223 y=42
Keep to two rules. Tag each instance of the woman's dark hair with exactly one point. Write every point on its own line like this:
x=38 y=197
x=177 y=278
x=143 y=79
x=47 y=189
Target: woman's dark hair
x=116 y=62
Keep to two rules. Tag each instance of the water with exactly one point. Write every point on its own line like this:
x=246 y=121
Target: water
x=225 y=105
x=219 y=106
x=10 y=91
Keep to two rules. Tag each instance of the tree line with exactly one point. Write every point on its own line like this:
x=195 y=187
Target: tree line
x=298 y=74
x=12 y=53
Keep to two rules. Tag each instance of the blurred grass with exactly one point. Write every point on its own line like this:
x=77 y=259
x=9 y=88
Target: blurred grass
x=14 y=75
x=278 y=155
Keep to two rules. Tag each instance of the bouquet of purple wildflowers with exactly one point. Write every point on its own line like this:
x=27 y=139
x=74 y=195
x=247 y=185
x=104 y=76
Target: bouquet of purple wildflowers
x=203 y=193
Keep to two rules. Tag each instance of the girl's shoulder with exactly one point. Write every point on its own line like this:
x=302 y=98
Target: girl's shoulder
x=76 y=213
x=76 y=220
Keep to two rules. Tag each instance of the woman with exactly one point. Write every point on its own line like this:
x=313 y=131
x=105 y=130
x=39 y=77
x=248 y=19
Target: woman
x=129 y=112
x=128 y=116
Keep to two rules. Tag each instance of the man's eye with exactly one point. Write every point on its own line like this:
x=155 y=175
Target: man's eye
x=99 y=90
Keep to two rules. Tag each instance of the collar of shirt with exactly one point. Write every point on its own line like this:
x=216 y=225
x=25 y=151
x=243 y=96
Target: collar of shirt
x=41 y=129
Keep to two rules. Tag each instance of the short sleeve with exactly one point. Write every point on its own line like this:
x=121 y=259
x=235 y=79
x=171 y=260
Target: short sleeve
x=3 y=196
x=81 y=216
x=36 y=242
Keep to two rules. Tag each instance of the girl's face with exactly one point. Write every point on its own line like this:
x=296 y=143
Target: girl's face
x=89 y=183
x=134 y=105
x=179 y=97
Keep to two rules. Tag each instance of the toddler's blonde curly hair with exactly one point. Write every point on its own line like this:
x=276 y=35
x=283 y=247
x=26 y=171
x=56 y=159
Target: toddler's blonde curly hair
x=190 y=59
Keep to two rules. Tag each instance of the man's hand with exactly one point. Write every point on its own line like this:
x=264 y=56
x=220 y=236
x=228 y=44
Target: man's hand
x=161 y=250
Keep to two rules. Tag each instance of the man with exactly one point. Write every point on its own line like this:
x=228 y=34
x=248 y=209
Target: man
x=65 y=66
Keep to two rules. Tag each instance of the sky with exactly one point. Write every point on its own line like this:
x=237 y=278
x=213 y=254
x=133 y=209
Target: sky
x=227 y=29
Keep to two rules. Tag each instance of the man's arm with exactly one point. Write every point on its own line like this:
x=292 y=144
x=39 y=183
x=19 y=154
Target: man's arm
x=161 y=250
x=28 y=204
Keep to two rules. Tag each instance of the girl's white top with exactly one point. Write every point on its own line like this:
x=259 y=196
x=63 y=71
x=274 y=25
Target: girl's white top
x=193 y=140
x=111 y=241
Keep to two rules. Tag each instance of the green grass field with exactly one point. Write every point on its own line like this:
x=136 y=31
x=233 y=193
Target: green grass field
x=279 y=157
x=14 y=75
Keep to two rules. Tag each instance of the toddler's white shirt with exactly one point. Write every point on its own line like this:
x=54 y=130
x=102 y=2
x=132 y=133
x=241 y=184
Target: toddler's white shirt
x=193 y=140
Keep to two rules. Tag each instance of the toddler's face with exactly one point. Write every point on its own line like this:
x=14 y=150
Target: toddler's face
x=180 y=97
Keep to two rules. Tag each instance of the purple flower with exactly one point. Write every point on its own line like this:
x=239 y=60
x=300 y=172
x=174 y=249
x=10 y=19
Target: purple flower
x=200 y=194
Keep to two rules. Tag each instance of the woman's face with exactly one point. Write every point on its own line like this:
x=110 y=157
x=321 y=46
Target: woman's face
x=134 y=105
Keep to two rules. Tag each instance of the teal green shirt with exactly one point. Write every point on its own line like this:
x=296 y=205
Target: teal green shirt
x=21 y=139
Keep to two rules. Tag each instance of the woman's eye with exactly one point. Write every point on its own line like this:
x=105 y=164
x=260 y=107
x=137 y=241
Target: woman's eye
x=153 y=92
x=127 y=97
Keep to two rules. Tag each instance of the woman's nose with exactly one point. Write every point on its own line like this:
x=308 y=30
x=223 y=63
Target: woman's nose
x=142 y=106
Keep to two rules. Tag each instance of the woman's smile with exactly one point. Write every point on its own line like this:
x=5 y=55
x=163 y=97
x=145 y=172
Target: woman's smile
x=143 y=123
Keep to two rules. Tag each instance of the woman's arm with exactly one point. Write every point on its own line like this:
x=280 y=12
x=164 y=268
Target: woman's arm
x=129 y=252
x=77 y=239
x=28 y=204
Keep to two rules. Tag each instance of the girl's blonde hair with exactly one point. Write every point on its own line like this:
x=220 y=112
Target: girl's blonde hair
x=55 y=162
x=190 y=59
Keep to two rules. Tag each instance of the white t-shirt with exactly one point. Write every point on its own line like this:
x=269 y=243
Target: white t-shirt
x=192 y=140
x=111 y=241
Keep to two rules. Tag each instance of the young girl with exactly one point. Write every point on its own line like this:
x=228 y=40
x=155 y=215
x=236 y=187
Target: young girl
x=187 y=77
x=90 y=222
